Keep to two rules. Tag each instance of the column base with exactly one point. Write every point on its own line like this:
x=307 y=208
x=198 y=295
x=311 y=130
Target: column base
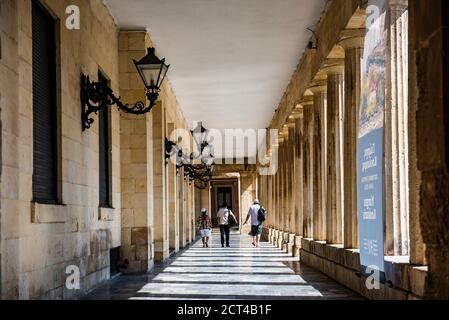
x=161 y=251
x=297 y=246
x=280 y=239
x=291 y=243
x=285 y=237
x=270 y=233
x=265 y=234
x=275 y=236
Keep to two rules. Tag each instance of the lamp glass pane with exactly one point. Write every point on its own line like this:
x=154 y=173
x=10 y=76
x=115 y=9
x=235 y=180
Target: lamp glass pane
x=163 y=74
x=150 y=74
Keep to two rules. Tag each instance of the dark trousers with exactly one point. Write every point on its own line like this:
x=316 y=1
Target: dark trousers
x=224 y=231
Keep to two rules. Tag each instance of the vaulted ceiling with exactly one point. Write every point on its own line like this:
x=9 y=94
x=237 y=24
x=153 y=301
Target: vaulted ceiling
x=231 y=59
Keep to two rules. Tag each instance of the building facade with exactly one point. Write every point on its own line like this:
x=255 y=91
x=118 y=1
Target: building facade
x=106 y=200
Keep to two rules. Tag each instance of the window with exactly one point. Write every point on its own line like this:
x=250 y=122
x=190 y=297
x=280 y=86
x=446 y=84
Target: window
x=104 y=152
x=45 y=177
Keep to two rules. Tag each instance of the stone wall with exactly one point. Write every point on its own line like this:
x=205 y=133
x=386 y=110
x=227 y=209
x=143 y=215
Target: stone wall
x=40 y=241
x=343 y=265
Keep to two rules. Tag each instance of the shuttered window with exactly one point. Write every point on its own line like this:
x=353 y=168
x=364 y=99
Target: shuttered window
x=104 y=150
x=44 y=106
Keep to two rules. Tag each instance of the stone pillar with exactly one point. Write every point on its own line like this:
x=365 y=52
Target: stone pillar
x=319 y=173
x=194 y=214
x=396 y=132
x=352 y=41
x=286 y=184
x=298 y=189
x=161 y=221
x=286 y=188
x=292 y=173
x=335 y=94
x=273 y=222
x=136 y=163
x=308 y=162
x=270 y=201
x=274 y=193
x=429 y=39
x=189 y=196
x=182 y=209
x=417 y=246
x=172 y=190
x=281 y=189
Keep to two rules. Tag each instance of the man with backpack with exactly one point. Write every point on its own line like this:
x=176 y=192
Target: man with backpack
x=257 y=214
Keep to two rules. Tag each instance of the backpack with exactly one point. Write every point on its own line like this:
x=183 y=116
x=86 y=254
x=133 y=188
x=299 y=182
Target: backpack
x=231 y=221
x=261 y=214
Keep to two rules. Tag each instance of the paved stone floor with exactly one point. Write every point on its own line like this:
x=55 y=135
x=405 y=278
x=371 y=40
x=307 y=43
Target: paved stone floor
x=240 y=272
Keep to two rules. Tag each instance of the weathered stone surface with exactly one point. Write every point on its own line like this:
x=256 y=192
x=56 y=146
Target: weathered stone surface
x=139 y=236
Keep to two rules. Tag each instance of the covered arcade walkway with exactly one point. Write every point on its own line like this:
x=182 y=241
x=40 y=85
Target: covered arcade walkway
x=239 y=272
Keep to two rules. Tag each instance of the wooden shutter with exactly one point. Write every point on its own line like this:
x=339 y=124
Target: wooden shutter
x=44 y=106
x=104 y=153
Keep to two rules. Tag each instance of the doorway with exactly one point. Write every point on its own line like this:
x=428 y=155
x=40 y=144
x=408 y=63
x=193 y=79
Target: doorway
x=224 y=191
x=224 y=195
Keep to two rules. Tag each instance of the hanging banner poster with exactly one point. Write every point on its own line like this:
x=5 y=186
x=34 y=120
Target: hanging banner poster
x=370 y=151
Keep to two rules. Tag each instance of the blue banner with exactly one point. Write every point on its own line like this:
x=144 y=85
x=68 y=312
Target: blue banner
x=370 y=151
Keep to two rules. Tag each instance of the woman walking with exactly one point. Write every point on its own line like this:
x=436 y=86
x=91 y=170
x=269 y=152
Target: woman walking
x=205 y=225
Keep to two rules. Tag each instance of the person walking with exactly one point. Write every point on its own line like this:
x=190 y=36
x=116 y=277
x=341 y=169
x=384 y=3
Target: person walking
x=205 y=225
x=257 y=215
x=223 y=216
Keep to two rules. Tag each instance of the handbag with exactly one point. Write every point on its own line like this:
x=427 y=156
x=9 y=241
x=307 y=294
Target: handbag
x=232 y=222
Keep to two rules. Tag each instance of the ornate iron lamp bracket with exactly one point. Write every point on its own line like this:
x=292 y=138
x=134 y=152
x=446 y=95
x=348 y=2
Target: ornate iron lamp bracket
x=95 y=96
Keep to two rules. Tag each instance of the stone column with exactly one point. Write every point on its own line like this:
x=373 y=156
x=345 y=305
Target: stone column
x=193 y=214
x=417 y=246
x=286 y=188
x=308 y=168
x=286 y=184
x=319 y=175
x=161 y=227
x=172 y=199
x=396 y=132
x=298 y=188
x=274 y=192
x=270 y=207
x=189 y=197
x=352 y=41
x=429 y=46
x=292 y=173
x=335 y=94
x=136 y=163
x=182 y=209
x=281 y=190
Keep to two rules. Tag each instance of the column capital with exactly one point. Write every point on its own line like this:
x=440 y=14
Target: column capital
x=291 y=124
x=319 y=87
x=333 y=66
x=307 y=101
x=298 y=114
x=352 y=38
x=398 y=4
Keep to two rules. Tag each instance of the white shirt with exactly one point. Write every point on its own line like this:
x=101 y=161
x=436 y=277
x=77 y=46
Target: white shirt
x=223 y=215
x=253 y=212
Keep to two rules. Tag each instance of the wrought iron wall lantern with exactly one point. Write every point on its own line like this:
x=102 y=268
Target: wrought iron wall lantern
x=199 y=174
x=96 y=96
